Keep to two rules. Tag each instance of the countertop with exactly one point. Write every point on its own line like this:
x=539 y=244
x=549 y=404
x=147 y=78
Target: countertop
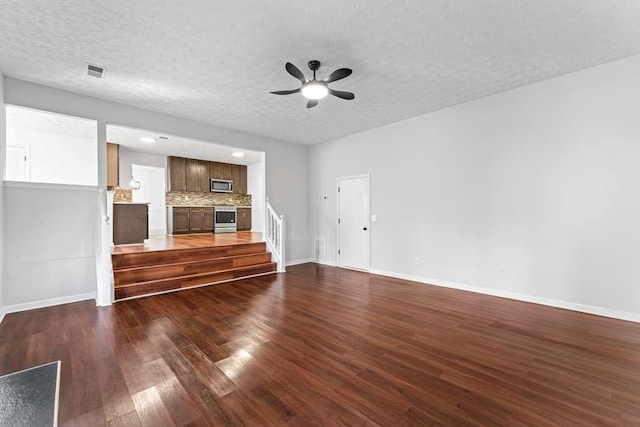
x=203 y=206
x=131 y=203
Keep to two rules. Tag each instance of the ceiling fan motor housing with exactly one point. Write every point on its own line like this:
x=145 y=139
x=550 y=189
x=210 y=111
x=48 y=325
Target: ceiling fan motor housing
x=314 y=65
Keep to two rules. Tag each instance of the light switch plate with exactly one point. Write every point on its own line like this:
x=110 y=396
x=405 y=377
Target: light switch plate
x=374 y=218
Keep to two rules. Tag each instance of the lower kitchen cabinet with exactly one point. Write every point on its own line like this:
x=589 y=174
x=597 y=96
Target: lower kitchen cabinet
x=244 y=219
x=183 y=220
x=130 y=223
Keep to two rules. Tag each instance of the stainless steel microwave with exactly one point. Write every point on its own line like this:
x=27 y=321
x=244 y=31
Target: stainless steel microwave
x=221 y=186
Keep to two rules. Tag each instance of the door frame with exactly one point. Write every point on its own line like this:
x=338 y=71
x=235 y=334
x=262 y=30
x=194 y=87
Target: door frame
x=343 y=178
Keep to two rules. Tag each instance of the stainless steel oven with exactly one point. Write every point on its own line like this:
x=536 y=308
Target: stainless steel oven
x=225 y=219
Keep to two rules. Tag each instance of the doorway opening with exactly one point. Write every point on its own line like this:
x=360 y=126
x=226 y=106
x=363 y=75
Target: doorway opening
x=354 y=222
x=151 y=189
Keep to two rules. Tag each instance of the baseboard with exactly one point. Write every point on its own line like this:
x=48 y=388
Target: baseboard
x=46 y=303
x=298 y=261
x=567 y=305
x=324 y=262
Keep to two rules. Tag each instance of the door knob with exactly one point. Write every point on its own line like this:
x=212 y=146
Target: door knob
x=364 y=228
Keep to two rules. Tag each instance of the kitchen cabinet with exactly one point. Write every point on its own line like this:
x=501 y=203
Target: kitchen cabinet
x=177 y=174
x=195 y=175
x=182 y=220
x=113 y=166
x=242 y=182
x=243 y=219
x=226 y=171
x=177 y=220
x=200 y=220
x=239 y=178
x=215 y=170
x=130 y=223
x=207 y=220
x=204 y=181
x=221 y=171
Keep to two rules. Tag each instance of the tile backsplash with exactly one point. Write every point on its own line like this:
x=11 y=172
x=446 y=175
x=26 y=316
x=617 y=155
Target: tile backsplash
x=183 y=198
x=122 y=195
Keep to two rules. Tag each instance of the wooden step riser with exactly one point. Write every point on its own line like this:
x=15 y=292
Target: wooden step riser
x=125 y=277
x=143 y=259
x=183 y=283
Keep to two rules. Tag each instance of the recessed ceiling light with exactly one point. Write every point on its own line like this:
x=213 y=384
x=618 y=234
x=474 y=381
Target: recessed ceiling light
x=147 y=139
x=237 y=154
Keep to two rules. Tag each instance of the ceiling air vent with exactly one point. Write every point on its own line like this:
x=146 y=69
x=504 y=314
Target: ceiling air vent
x=95 y=71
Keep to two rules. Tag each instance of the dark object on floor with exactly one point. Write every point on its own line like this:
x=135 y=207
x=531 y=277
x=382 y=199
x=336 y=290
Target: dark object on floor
x=30 y=397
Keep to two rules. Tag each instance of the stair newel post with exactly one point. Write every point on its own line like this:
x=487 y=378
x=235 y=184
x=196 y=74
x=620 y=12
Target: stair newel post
x=281 y=268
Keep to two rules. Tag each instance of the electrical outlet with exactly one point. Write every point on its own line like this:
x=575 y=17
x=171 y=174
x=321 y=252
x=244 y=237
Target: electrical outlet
x=417 y=260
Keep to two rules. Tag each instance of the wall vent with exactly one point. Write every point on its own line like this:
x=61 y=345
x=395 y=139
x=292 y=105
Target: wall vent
x=95 y=71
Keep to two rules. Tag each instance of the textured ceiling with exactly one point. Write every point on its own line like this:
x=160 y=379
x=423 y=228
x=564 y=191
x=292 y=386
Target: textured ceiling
x=217 y=61
x=177 y=146
x=50 y=123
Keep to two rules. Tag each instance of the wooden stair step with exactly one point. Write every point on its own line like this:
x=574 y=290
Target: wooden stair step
x=147 y=273
x=172 y=256
x=188 y=281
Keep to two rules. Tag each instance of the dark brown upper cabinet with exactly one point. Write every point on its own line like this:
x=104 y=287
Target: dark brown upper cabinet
x=239 y=178
x=242 y=182
x=177 y=174
x=215 y=170
x=113 y=168
x=204 y=181
x=235 y=177
x=193 y=169
x=226 y=171
x=196 y=175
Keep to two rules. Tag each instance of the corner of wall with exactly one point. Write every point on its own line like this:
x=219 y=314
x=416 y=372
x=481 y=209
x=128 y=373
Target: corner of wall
x=3 y=143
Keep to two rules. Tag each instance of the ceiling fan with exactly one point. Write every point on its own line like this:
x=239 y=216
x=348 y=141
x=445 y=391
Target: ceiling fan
x=314 y=89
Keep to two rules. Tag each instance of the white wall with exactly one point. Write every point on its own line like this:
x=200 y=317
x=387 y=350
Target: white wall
x=2 y=164
x=531 y=192
x=49 y=240
x=129 y=157
x=53 y=155
x=255 y=187
x=286 y=163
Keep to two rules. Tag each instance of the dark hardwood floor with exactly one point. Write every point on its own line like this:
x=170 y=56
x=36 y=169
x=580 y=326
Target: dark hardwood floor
x=324 y=346
x=168 y=242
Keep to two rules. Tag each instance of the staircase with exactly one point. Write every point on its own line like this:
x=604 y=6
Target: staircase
x=143 y=273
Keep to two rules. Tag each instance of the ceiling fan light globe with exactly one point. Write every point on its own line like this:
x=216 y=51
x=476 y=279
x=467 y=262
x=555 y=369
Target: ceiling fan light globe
x=315 y=90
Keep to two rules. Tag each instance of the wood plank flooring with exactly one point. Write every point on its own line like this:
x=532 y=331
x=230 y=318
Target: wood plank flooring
x=189 y=241
x=325 y=346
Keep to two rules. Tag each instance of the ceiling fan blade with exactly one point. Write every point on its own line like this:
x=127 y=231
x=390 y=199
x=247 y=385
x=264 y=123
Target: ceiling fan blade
x=338 y=75
x=341 y=94
x=285 y=92
x=295 y=72
x=312 y=103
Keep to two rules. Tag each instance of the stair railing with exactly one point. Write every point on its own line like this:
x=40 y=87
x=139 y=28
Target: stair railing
x=274 y=235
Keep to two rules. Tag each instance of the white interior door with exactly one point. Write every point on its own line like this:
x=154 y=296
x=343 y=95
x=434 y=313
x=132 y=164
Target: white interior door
x=152 y=190
x=353 y=222
x=16 y=164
